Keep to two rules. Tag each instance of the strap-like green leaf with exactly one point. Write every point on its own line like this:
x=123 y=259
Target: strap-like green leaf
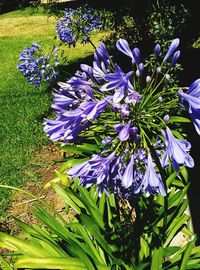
x=157 y=259
x=186 y=255
x=50 y=263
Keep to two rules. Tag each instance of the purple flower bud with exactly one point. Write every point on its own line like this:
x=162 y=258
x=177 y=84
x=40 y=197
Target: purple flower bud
x=175 y=58
x=136 y=54
x=134 y=130
x=157 y=49
x=148 y=79
x=172 y=48
x=137 y=138
x=166 y=118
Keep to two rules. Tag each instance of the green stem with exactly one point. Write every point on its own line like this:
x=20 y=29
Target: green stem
x=92 y=43
x=162 y=173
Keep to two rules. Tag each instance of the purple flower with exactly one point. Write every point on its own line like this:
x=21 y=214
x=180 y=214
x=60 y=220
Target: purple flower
x=177 y=150
x=117 y=79
x=133 y=97
x=92 y=110
x=103 y=171
x=192 y=96
x=125 y=132
x=151 y=181
x=122 y=46
x=63 y=99
x=69 y=124
x=76 y=24
x=141 y=68
x=66 y=127
x=99 y=71
x=127 y=178
x=125 y=110
x=118 y=95
x=172 y=48
x=191 y=101
x=118 y=127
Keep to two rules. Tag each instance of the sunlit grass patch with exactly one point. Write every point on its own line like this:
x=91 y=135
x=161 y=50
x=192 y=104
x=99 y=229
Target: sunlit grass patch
x=27 y=26
x=23 y=106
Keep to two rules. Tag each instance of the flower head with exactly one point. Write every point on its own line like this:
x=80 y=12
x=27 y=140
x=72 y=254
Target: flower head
x=123 y=112
x=36 y=66
x=77 y=23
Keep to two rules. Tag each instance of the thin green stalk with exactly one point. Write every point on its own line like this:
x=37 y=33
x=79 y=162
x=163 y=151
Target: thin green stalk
x=162 y=173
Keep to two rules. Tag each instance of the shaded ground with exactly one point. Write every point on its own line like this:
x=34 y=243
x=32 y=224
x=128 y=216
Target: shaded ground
x=42 y=170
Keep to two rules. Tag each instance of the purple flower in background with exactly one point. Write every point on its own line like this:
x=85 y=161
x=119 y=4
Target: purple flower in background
x=36 y=66
x=191 y=101
x=177 y=151
x=77 y=23
x=151 y=181
x=172 y=48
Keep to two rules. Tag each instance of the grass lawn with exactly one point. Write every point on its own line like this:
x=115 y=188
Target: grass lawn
x=23 y=106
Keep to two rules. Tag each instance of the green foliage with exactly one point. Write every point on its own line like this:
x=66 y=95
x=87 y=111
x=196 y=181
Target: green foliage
x=104 y=234
x=166 y=20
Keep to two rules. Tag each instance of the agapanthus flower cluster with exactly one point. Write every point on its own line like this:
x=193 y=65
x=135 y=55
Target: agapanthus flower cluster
x=77 y=23
x=36 y=66
x=128 y=113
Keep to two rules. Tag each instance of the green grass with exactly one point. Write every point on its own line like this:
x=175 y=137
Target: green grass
x=23 y=107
